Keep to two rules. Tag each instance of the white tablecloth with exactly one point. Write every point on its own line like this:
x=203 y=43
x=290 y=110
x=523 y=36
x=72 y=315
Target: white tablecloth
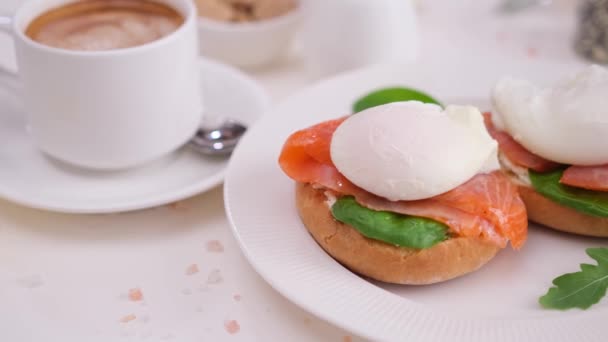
x=225 y=291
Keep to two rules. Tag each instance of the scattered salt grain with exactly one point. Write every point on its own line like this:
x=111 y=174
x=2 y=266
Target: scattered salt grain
x=192 y=269
x=215 y=246
x=232 y=327
x=135 y=295
x=128 y=318
x=214 y=277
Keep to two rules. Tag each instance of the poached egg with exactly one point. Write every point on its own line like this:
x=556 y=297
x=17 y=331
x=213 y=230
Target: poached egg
x=566 y=123
x=412 y=150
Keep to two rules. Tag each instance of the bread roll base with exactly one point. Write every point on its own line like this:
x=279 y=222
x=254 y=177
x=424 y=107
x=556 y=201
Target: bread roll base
x=554 y=215
x=384 y=262
x=549 y=213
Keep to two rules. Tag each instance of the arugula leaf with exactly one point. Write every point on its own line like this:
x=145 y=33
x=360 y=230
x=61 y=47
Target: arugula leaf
x=388 y=95
x=586 y=201
x=393 y=228
x=581 y=289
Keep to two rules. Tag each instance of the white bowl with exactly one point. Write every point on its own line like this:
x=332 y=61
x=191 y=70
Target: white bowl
x=248 y=44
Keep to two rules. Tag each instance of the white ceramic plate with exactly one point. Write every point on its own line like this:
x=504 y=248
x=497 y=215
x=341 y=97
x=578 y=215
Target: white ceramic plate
x=497 y=303
x=30 y=178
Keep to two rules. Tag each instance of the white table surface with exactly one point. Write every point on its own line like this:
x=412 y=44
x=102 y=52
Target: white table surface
x=225 y=288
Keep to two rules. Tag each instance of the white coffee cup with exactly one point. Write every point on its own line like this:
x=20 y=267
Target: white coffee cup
x=109 y=109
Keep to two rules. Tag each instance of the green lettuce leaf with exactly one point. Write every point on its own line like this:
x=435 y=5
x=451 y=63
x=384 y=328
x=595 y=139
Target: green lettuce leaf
x=393 y=228
x=388 y=95
x=587 y=201
x=581 y=289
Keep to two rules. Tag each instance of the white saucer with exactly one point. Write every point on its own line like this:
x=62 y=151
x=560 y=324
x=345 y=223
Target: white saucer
x=30 y=178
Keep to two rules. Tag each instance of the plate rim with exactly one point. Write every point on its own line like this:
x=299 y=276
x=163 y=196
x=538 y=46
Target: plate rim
x=467 y=325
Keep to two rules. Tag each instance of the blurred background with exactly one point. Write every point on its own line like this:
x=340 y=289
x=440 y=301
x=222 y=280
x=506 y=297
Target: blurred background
x=286 y=44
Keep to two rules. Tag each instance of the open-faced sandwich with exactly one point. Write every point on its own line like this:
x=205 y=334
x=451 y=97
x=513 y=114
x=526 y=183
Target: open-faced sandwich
x=553 y=143
x=400 y=192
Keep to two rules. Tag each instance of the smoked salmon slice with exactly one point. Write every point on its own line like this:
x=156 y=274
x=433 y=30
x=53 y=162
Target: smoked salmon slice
x=587 y=177
x=515 y=151
x=306 y=157
x=487 y=206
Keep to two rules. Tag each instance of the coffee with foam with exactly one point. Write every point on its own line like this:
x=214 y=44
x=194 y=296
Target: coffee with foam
x=97 y=25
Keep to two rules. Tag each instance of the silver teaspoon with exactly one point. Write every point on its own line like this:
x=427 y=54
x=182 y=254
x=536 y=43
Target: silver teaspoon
x=219 y=140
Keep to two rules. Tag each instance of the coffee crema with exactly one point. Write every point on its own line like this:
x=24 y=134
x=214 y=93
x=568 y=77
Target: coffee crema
x=96 y=25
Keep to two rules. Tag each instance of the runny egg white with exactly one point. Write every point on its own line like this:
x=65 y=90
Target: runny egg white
x=411 y=150
x=566 y=123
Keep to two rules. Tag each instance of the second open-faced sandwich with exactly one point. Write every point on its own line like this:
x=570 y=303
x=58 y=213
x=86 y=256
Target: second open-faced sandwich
x=401 y=192
x=553 y=143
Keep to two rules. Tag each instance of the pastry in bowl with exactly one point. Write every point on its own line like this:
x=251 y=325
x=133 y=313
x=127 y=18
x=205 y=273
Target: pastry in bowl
x=247 y=33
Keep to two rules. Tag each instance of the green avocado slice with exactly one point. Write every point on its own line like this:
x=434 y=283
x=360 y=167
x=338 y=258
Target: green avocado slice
x=586 y=201
x=396 y=229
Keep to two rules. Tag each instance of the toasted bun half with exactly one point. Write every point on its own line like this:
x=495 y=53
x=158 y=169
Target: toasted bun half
x=551 y=214
x=382 y=261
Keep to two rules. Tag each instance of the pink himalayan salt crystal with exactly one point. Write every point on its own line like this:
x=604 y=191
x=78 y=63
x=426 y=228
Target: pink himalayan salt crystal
x=232 y=327
x=128 y=318
x=135 y=295
x=347 y=339
x=215 y=246
x=192 y=269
